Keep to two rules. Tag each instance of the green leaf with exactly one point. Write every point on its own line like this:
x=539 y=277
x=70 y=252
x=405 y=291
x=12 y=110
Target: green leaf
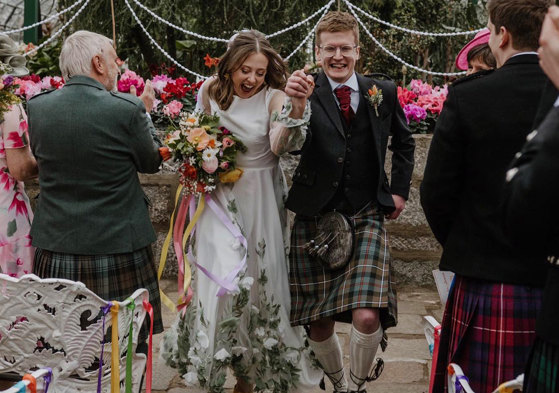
x=12 y=227
x=185 y=44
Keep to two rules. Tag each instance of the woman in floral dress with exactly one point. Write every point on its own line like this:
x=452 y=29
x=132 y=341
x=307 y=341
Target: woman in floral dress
x=248 y=330
x=16 y=165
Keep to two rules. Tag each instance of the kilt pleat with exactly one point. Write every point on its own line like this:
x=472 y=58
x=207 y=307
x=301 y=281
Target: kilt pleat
x=366 y=282
x=488 y=330
x=111 y=277
x=542 y=371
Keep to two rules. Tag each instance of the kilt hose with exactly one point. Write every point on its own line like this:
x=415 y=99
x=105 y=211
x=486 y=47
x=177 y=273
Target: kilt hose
x=111 y=277
x=365 y=282
x=488 y=329
x=542 y=371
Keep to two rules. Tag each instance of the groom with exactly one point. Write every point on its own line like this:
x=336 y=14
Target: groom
x=342 y=169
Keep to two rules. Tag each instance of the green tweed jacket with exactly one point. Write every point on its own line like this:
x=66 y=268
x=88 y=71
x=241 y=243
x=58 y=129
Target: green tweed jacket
x=89 y=144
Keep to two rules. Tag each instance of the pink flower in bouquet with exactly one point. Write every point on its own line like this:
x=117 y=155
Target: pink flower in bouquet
x=224 y=130
x=227 y=142
x=415 y=113
x=405 y=96
x=224 y=165
x=210 y=161
x=199 y=137
x=156 y=102
x=159 y=82
x=130 y=78
x=420 y=88
x=172 y=109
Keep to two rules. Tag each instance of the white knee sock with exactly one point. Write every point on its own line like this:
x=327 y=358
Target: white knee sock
x=362 y=351
x=329 y=354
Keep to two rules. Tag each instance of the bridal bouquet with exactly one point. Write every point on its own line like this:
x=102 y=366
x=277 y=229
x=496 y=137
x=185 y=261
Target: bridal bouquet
x=206 y=152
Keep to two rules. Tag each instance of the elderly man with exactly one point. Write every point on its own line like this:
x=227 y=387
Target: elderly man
x=92 y=222
x=489 y=321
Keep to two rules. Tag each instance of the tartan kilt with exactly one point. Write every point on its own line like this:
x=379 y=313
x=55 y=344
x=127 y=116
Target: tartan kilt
x=490 y=349
x=365 y=282
x=542 y=371
x=111 y=277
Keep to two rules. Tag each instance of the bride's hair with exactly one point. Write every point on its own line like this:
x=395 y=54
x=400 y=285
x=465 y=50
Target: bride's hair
x=240 y=47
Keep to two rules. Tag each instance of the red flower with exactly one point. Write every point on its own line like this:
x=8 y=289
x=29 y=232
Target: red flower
x=405 y=96
x=211 y=61
x=189 y=172
x=19 y=204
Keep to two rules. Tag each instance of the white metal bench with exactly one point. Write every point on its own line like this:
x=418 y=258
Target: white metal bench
x=57 y=323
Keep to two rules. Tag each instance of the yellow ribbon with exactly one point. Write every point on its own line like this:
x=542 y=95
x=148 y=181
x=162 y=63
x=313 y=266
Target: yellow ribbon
x=165 y=250
x=183 y=301
x=115 y=357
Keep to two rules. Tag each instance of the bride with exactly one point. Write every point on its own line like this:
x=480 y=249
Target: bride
x=246 y=330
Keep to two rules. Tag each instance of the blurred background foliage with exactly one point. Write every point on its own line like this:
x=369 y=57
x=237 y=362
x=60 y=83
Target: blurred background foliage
x=222 y=18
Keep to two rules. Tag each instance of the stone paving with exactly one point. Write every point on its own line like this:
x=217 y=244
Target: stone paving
x=407 y=359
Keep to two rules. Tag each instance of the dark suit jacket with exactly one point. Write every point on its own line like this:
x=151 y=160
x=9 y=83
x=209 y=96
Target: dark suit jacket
x=483 y=124
x=322 y=161
x=90 y=144
x=532 y=214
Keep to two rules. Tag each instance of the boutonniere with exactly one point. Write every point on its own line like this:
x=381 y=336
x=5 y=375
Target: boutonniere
x=375 y=97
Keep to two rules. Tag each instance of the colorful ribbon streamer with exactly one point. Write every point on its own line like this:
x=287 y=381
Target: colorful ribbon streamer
x=47 y=378
x=32 y=386
x=105 y=310
x=164 y=251
x=149 y=310
x=458 y=385
x=115 y=358
x=128 y=383
x=21 y=387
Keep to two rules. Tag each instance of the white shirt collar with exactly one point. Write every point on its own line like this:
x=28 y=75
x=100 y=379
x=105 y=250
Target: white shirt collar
x=524 y=53
x=351 y=83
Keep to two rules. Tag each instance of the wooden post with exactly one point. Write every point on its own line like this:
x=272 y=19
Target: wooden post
x=31 y=14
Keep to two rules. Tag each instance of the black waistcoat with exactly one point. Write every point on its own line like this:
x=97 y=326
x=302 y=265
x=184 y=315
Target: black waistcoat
x=358 y=183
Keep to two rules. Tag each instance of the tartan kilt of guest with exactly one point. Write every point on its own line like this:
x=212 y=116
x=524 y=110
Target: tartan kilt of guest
x=111 y=277
x=365 y=282
x=542 y=371
x=488 y=329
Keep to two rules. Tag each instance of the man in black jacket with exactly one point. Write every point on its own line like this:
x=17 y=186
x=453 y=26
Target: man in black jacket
x=342 y=169
x=488 y=326
x=532 y=216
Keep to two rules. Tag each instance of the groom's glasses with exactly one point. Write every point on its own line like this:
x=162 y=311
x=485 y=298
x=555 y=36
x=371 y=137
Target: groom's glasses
x=331 y=50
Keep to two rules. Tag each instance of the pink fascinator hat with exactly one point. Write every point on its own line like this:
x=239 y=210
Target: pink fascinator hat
x=481 y=37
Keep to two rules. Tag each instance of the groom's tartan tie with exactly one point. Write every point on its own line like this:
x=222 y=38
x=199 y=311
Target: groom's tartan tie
x=343 y=94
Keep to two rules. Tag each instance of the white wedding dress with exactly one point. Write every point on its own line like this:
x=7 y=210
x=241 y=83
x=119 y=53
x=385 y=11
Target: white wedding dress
x=248 y=331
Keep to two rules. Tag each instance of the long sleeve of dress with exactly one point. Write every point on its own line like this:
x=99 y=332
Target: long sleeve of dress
x=288 y=134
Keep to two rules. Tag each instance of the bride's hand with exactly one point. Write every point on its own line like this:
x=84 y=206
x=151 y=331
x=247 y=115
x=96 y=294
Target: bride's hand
x=299 y=87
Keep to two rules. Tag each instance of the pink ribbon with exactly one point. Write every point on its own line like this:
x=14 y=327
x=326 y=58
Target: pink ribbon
x=226 y=284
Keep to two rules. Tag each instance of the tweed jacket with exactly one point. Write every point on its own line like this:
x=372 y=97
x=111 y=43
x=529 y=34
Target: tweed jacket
x=323 y=155
x=89 y=144
x=484 y=123
x=531 y=212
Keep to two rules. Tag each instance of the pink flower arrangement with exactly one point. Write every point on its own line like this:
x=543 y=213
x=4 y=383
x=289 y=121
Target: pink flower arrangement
x=172 y=109
x=130 y=78
x=422 y=104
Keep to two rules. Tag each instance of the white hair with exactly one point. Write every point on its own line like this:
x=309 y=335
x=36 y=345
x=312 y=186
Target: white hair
x=78 y=50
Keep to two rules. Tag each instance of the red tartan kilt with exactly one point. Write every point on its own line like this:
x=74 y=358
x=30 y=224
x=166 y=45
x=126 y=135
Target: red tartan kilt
x=488 y=330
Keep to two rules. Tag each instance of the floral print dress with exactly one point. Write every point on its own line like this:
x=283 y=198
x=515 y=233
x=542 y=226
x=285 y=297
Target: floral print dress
x=16 y=252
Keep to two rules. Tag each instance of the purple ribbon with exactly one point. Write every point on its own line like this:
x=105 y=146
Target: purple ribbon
x=226 y=284
x=105 y=310
x=457 y=385
x=47 y=378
